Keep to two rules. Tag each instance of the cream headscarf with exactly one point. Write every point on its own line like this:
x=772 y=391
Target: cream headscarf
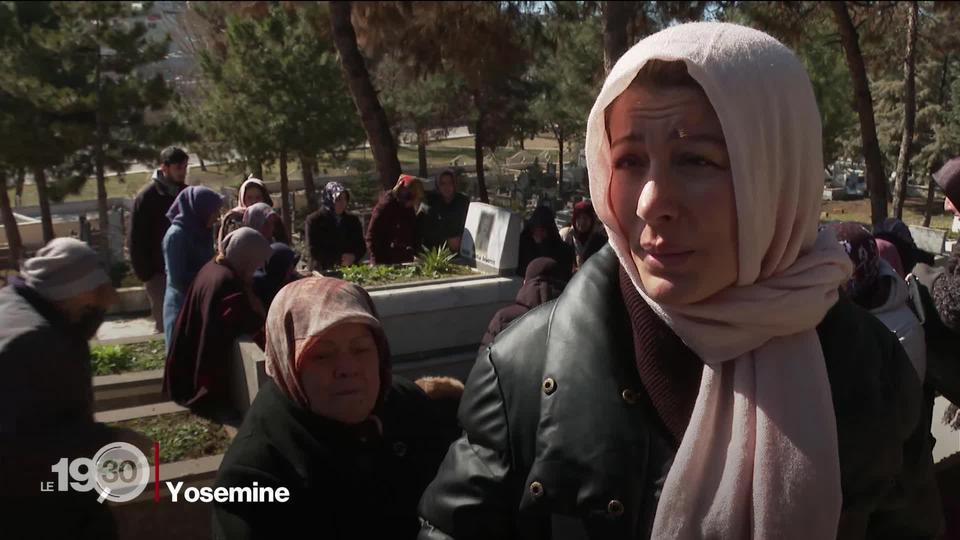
x=759 y=458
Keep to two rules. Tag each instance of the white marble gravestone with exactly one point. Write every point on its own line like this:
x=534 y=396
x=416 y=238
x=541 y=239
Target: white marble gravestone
x=491 y=238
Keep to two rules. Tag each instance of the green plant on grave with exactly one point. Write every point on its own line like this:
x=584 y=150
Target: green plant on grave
x=110 y=359
x=436 y=262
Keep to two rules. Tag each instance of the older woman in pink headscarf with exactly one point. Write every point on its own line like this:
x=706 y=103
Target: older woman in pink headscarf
x=353 y=445
x=701 y=377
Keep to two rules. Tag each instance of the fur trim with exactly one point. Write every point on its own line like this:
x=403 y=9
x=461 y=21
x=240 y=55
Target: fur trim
x=441 y=387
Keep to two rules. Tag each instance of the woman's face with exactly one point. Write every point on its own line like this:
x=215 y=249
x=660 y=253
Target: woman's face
x=583 y=223
x=268 y=226
x=340 y=373
x=672 y=192
x=340 y=205
x=253 y=195
x=949 y=207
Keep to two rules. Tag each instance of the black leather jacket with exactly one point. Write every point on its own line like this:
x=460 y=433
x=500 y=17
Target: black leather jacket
x=561 y=440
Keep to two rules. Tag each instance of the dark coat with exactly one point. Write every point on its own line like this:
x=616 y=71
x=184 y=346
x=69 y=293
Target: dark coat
x=552 y=246
x=148 y=225
x=216 y=311
x=329 y=241
x=345 y=482
x=46 y=413
x=543 y=282
x=440 y=221
x=392 y=236
x=596 y=437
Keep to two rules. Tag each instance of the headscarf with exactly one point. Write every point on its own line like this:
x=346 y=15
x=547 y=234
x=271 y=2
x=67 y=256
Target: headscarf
x=579 y=209
x=193 y=208
x=948 y=178
x=273 y=277
x=251 y=181
x=543 y=217
x=256 y=216
x=759 y=458
x=246 y=250
x=860 y=246
x=543 y=282
x=888 y=252
x=413 y=185
x=307 y=308
x=331 y=192
x=898 y=233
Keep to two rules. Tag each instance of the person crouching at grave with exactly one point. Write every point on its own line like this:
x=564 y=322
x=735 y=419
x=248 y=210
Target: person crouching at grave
x=876 y=287
x=280 y=270
x=541 y=238
x=444 y=214
x=219 y=307
x=392 y=236
x=265 y=220
x=543 y=282
x=701 y=376
x=252 y=191
x=187 y=246
x=585 y=232
x=895 y=232
x=334 y=236
x=353 y=445
x=47 y=316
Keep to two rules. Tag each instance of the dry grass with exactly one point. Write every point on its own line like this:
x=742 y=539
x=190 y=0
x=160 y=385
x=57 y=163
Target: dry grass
x=859 y=211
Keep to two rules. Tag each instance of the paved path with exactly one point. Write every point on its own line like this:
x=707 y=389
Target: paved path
x=124 y=330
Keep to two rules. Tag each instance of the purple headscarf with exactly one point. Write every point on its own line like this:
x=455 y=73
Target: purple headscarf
x=257 y=215
x=194 y=207
x=862 y=250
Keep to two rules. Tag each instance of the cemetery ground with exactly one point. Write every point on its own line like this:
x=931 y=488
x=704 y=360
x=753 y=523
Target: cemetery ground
x=913 y=209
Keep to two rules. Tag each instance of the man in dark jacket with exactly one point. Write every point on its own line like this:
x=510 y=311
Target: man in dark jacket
x=149 y=223
x=444 y=214
x=46 y=399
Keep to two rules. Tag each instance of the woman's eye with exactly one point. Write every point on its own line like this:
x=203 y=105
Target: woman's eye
x=627 y=162
x=697 y=161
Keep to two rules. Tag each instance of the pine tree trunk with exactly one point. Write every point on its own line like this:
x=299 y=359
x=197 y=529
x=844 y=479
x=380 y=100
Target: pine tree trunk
x=614 y=32
x=203 y=166
x=285 y=193
x=909 y=112
x=372 y=116
x=102 y=210
x=560 y=163
x=928 y=208
x=306 y=167
x=422 y=152
x=40 y=178
x=14 y=243
x=258 y=169
x=18 y=191
x=876 y=180
x=478 y=155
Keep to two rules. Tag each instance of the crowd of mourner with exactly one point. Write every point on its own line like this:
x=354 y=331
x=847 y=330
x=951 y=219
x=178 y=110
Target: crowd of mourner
x=694 y=356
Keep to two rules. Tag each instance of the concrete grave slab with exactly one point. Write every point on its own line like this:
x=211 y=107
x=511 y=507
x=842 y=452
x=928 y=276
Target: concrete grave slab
x=927 y=239
x=491 y=238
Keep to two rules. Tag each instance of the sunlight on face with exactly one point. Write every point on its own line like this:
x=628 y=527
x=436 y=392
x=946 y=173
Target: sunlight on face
x=253 y=195
x=672 y=192
x=340 y=372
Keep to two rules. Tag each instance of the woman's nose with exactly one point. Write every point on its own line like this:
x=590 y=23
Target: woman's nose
x=658 y=202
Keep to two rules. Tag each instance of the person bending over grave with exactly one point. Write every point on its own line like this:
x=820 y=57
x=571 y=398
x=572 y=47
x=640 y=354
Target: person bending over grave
x=540 y=238
x=280 y=270
x=334 y=236
x=219 y=307
x=149 y=224
x=444 y=214
x=47 y=316
x=265 y=220
x=585 y=232
x=187 y=246
x=353 y=445
x=252 y=191
x=701 y=376
x=392 y=236
x=543 y=282
x=895 y=232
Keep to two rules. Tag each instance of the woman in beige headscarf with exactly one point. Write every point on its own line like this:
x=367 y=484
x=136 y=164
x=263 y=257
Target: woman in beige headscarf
x=701 y=377
x=354 y=445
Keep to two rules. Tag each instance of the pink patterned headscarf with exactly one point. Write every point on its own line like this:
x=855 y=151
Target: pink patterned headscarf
x=306 y=308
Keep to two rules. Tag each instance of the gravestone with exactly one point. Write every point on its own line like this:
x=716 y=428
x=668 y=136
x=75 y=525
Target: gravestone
x=927 y=239
x=955 y=226
x=491 y=239
x=116 y=232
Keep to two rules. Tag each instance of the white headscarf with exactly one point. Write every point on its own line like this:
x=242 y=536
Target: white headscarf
x=759 y=458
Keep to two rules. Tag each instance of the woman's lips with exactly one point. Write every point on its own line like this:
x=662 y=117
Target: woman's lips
x=666 y=260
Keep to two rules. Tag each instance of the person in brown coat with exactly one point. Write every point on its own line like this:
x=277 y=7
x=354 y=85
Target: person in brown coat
x=392 y=236
x=220 y=306
x=543 y=282
x=149 y=224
